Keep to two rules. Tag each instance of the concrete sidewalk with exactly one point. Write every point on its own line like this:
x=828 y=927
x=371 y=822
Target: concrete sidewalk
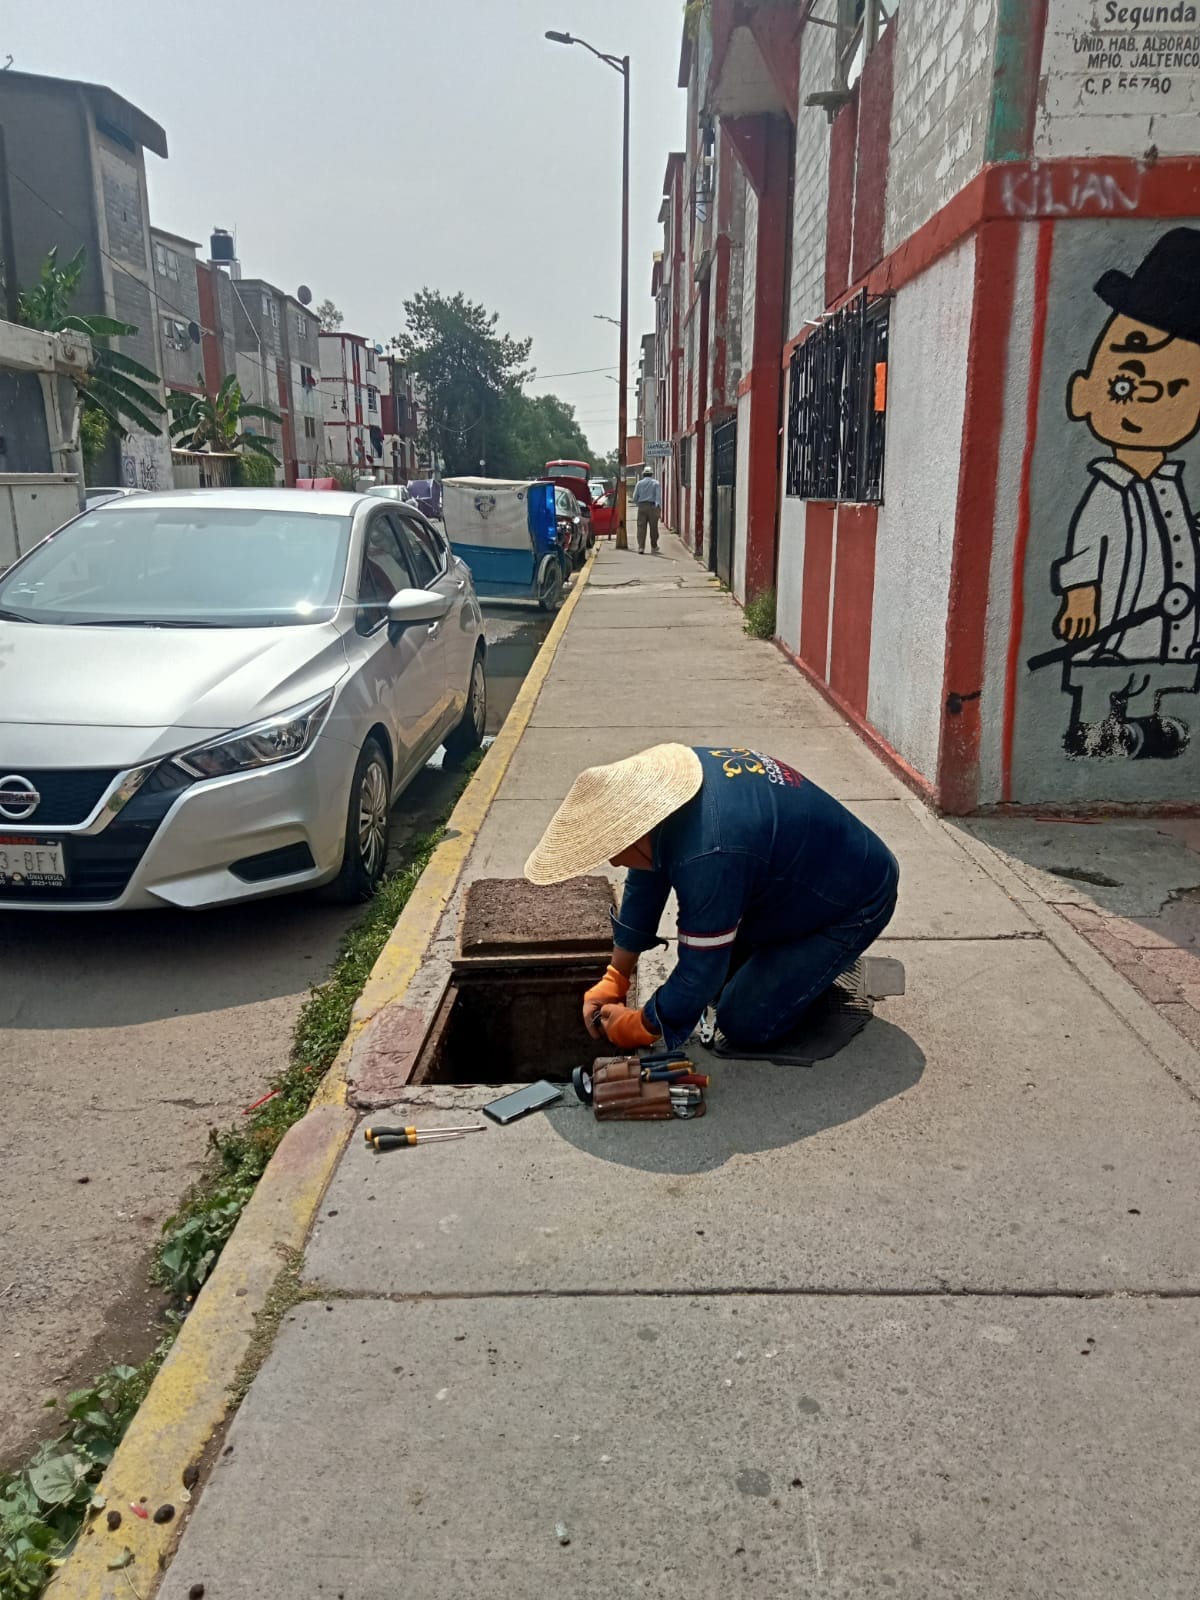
x=919 y=1322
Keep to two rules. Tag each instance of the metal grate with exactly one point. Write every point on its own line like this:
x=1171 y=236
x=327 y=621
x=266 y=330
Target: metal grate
x=837 y=406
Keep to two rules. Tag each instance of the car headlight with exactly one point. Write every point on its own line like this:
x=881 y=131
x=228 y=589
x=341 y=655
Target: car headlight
x=260 y=745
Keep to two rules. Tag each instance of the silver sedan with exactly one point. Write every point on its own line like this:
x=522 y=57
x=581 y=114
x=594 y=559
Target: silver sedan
x=215 y=695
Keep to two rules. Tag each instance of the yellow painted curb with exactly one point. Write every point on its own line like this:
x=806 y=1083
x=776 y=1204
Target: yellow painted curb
x=190 y=1397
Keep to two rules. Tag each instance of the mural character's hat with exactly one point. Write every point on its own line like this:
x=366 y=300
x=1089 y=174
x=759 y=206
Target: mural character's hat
x=1164 y=292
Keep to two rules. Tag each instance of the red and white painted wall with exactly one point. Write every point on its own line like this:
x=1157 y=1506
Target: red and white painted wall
x=1011 y=613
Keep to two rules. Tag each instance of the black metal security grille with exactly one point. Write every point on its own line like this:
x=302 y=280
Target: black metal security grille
x=725 y=453
x=837 y=406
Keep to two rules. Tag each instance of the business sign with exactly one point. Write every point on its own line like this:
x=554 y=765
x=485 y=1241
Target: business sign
x=1119 y=77
x=659 y=451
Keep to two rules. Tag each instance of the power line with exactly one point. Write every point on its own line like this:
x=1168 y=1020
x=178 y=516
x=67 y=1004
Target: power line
x=544 y=377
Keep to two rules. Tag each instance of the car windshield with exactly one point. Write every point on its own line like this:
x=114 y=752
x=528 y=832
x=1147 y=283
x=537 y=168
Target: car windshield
x=134 y=564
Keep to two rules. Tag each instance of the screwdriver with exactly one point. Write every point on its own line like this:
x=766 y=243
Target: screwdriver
x=401 y=1141
x=370 y=1133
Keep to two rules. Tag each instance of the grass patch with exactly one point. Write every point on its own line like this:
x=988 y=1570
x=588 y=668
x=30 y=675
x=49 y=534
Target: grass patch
x=759 y=618
x=45 y=1503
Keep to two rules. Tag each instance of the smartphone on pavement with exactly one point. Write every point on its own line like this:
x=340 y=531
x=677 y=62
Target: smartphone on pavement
x=533 y=1097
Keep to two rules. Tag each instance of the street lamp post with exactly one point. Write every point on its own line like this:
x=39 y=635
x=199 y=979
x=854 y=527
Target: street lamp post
x=619 y=64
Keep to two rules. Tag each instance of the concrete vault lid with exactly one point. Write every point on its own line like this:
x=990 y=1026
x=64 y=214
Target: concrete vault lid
x=510 y=917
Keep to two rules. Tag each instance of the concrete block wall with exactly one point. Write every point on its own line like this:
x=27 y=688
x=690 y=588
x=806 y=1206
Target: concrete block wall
x=940 y=107
x=811 y=182
x=734 y=341
x=749 y=263
x=929 y=347
x=124 y=218
x=740 y=500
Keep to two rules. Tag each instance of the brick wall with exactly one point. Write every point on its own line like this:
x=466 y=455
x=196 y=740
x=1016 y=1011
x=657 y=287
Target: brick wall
x=942 y=93
x=811 y=189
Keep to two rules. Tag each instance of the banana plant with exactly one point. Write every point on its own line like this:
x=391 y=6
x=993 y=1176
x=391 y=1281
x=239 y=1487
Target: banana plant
x=115 y=384
x=214 y=421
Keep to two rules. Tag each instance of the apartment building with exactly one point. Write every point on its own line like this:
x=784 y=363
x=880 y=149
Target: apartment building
x=77 y=177
x=352 y=371
x=925 y=272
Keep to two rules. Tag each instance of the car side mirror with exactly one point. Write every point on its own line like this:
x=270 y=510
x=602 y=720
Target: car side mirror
x=408 y=607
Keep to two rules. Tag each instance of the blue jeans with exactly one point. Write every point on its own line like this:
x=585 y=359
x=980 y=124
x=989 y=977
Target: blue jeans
x=771 y=986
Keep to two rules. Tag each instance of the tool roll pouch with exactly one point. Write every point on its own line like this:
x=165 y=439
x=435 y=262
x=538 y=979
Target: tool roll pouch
x=620 y=1095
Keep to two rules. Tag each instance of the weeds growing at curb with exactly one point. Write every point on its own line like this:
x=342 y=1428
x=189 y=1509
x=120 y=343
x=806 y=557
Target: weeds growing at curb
x=759 y=617
x=44 y=1503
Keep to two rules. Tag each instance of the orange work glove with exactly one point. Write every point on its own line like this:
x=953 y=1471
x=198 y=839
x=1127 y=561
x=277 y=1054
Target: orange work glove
x=613 y=987
x=626 y=1029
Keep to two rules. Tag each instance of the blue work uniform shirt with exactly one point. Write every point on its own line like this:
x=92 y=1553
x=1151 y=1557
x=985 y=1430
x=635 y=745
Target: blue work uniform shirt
x=760 y=856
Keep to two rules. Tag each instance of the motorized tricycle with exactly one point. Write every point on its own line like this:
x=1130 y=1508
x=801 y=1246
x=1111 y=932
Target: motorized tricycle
x=507 y=532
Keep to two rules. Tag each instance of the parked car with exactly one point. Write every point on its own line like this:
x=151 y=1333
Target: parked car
x=574 y=528
x=214 y=695
x=575 y=475
x=393 y=491
x=96 y=496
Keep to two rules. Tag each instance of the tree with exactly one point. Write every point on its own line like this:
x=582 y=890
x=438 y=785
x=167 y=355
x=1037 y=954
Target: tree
x=213 y=421
x=529 y=432
x=468 y=370
x=329 y=317
x=115 y=384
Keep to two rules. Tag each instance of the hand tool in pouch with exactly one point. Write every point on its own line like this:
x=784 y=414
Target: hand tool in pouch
x=625 y=1089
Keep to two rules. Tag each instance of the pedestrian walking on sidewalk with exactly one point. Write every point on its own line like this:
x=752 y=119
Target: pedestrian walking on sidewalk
x=647 y=497
x=780 y=889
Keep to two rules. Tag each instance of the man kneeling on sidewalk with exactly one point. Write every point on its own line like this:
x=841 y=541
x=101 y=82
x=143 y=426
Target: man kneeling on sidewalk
x=647 y=497
x=780 y=889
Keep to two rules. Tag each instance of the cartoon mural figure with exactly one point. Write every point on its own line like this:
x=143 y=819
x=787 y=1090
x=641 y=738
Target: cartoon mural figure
x=1128 y=581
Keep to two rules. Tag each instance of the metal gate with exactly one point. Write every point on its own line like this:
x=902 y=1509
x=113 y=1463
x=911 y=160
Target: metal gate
x=724 y=477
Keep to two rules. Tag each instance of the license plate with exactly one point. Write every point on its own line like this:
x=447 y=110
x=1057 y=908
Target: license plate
x=31 y=863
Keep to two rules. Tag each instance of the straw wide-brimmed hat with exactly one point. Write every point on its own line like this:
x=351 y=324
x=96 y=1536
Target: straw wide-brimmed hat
x=610 y=808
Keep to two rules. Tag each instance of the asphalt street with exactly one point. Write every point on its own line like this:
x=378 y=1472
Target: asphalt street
x=123 y=1039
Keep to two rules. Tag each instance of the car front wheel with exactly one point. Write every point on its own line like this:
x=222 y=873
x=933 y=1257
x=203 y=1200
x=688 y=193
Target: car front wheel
x=368 y=824
x=468 y=735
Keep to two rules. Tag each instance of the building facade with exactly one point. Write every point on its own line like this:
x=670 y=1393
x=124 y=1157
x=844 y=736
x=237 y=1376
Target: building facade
x=77 y=177
x=278 y=363
x=352 y=371
x=956 y=402
x=402 y=422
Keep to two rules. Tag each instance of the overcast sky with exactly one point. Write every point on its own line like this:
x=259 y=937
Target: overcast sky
x=372 y=147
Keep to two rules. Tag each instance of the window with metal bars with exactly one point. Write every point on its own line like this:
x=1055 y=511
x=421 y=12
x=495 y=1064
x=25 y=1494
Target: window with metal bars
x=837 y=406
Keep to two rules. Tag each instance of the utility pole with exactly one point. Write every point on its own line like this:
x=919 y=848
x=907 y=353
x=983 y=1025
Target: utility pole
x=7 y=242
x=618 y=64
x=622 y=539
